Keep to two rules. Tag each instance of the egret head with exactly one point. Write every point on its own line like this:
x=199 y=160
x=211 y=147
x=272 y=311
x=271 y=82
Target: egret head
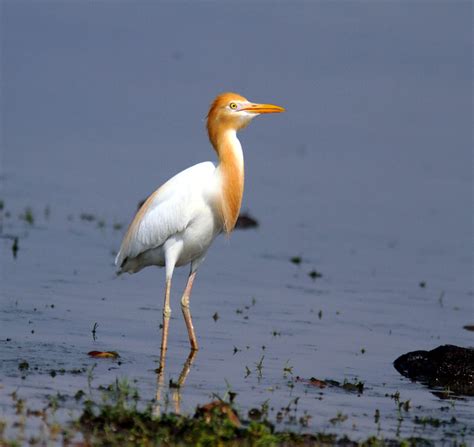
x=230 y=111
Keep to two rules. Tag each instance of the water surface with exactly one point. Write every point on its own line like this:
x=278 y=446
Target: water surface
x=367 y=178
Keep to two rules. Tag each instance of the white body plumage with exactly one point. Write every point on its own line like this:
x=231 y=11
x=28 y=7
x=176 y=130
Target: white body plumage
x=178 y=222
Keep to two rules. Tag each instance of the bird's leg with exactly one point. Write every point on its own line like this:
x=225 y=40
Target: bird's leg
x=172 y=249
x=187 y=312
x=166 y=321
x=159 y=388
x=164 y=343
x=182 y=378
x=186 y=367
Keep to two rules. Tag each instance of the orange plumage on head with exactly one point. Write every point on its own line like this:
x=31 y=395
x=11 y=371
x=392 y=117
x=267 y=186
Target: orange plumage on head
x=218 y=122
x=233 y=175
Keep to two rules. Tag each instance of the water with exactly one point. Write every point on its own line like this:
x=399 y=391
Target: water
x=367 y=177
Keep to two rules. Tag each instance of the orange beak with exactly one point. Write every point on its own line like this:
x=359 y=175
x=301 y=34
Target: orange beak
x=263 y=108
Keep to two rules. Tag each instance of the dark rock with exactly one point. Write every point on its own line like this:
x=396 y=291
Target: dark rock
x=446 y=366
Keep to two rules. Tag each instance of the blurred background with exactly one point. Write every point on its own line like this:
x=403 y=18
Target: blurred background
x=108 y=99
x=367 y=178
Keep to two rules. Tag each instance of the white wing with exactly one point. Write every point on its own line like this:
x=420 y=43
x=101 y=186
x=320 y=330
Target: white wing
x=167 y=211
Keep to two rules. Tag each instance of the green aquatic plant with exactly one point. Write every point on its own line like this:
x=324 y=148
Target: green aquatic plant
x=116 y=418
x=28 y=216
x=259 y=367
x=94 y=331
x=356 y=386
x=15 y=246
x=339 y=418
x=287 y=369
x=314 y=274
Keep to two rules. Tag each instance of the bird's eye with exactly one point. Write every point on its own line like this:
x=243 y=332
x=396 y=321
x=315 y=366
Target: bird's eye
x=233 y=105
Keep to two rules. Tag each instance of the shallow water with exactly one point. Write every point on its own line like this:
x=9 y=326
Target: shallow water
x=368 y=178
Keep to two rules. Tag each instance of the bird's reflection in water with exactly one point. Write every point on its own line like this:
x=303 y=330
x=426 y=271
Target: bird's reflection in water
x=174 y=387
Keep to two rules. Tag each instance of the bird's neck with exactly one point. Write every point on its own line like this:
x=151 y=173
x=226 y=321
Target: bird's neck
x=231 y=176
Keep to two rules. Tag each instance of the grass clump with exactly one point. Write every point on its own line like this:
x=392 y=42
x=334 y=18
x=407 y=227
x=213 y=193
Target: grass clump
x=119 y=419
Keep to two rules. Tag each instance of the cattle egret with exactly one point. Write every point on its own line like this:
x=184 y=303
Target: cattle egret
x=178 y=222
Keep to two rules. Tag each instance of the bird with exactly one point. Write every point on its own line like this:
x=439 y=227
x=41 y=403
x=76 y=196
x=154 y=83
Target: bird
x=178 y=222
